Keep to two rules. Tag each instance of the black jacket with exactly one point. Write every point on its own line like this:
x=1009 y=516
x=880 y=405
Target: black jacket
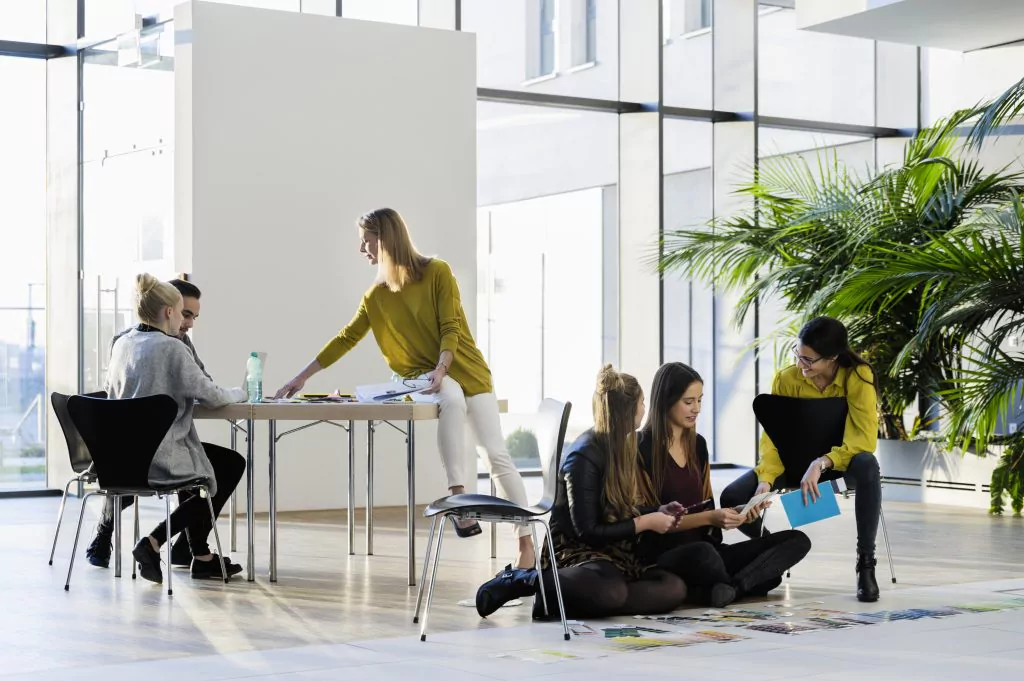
x=579 y=510
x=655 y=544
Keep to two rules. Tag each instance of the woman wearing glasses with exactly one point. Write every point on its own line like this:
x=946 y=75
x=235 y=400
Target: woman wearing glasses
x=826 y=366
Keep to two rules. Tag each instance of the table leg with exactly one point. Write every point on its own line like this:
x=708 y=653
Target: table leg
x=369 y=487
x=272 y=427
x=250 y=500
x=411 y=505
x=233 y=501
x=351 y=488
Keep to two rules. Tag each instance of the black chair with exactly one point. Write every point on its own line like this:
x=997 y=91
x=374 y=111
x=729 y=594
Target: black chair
x=81 y=461
x=803 y=429
x=123 y=437
x=552 y=422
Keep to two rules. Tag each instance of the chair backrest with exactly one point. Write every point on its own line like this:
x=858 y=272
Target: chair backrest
x=802 y=429
x=78 y=453
x=123 y=435
x=551 y=425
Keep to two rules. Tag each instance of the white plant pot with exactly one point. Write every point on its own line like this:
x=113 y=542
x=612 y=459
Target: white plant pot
x=928 y=473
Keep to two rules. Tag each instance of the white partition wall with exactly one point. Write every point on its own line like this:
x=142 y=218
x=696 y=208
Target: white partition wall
x=288 y=127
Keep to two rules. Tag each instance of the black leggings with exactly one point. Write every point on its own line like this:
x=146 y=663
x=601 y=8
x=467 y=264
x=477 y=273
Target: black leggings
x=192 y=513
x=599 y=589
x=862 y=475
x=753 y=567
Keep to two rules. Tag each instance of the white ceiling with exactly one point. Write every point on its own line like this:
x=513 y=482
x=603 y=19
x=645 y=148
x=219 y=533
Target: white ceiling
x=962 y=25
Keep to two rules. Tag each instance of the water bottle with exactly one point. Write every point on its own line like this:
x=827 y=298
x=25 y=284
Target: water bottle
x=254 y=377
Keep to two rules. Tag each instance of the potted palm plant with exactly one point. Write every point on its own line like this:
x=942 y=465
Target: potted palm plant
x=816 y=227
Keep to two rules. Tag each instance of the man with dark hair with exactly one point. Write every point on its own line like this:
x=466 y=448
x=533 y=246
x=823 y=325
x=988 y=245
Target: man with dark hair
x=98 y=553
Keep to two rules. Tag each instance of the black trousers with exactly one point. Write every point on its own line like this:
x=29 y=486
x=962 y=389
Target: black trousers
x=862 y=476
x=192 y=513
x=599 y=589
x=753 y=567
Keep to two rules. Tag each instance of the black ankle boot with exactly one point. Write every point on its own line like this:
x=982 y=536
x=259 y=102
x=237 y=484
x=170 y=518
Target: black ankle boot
x=508 y=584
x=867 y=587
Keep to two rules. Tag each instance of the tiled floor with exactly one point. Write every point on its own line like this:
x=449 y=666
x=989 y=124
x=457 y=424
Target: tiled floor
x=334 y=616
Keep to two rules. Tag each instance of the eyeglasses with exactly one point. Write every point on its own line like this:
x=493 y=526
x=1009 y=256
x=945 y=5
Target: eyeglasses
x=806 y=361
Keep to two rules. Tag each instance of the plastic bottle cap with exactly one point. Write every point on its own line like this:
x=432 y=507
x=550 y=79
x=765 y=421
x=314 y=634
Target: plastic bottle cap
x=253 y=354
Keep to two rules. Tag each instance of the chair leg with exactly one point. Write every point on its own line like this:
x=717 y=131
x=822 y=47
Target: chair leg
x=117 y=537
x=135 y=537
x=888 y=550
x=168 y=542
x=537 y=553
x=60 y=517
x=423 y=576
x=558 y=582
x=216 y=535
x=74 y=547
x=433 y=577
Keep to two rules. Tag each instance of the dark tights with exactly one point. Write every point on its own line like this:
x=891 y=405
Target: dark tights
x=599 y=589
x=753 y=567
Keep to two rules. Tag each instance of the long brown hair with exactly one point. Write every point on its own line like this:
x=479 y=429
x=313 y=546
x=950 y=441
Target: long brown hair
x=400 y=263
x=616 y=398
x=670 y=383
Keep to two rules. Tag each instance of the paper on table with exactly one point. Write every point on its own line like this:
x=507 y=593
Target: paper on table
x=757 y=499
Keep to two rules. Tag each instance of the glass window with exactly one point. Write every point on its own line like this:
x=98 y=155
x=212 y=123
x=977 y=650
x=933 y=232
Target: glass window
x=391 y=12
x=813 y=76
x=546 y=58
x=688 y=333
x=22 y=273
x=128 y=189
x=591 y=50
x=546 y=194
x=23 y=20
x=687 y=53
x=955 y=80
x=538 y=45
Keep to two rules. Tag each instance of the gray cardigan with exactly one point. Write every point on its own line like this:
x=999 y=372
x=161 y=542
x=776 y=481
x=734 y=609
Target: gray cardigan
x=144 y=363
x=184 y=339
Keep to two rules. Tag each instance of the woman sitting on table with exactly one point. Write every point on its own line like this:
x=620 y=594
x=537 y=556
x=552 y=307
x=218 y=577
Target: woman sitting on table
x=826 y=366
x=676 y=458
x=415 y=312
x=603 y=503
x=151 y=360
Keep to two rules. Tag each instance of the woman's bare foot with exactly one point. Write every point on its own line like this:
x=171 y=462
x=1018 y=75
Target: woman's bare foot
x=527 y=557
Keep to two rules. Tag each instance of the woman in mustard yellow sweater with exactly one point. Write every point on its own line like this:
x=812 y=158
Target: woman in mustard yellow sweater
x=826 y=366
x=416 y=315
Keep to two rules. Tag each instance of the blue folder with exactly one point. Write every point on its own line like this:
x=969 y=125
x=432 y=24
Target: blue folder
x=825 y=507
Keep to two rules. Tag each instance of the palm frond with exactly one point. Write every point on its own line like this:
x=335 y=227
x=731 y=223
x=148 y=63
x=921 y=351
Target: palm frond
x=1005 y=108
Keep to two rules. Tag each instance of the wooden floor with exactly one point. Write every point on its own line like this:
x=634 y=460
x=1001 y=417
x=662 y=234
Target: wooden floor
x=327 y=596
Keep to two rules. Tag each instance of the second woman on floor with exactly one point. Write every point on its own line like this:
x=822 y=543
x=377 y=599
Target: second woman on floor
x=415 y=312
x=676 y=459
x=604 y=502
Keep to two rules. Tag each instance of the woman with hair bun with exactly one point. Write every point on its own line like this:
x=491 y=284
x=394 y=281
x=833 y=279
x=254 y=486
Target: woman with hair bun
x=150 y=360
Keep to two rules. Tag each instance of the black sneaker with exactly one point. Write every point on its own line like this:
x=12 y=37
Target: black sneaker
x=209 y=569
x=149 y=561
x=98 y=553
x=181 y=554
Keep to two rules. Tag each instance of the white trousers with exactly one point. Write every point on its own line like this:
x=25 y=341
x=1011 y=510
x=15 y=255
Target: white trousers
x=480 y=413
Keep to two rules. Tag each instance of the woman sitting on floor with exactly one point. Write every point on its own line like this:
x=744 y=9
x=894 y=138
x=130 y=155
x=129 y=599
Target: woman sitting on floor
x=604 y=502
x=675 y=457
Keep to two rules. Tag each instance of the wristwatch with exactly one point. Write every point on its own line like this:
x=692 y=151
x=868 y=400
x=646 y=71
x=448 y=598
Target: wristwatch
x=823 y=464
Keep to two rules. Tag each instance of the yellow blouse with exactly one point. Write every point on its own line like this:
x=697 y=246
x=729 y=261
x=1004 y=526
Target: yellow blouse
x=413 y=326
x=861 y=434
